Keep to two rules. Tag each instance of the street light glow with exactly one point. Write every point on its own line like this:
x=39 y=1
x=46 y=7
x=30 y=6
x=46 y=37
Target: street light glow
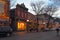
x=27 y=20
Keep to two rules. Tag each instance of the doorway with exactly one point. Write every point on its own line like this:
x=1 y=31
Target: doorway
x=21 y=26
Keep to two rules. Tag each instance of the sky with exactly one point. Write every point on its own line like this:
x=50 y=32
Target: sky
x=47 y=2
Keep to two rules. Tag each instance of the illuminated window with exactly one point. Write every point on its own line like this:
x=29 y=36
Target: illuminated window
x=21 y=26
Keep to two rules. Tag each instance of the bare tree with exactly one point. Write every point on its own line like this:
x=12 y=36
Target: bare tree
x=50 y=10
x=37 y=7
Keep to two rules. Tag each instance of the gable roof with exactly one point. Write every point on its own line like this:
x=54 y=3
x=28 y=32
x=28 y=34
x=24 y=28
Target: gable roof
x=46 y=15
x=22 y=6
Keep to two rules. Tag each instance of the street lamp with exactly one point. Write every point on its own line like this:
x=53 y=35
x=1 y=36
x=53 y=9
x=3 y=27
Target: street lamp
x=27 y=20
x=43 y=22
x=27 y=25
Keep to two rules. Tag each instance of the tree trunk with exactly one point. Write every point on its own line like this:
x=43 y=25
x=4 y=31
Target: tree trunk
x=37 y=23
x=48 y=22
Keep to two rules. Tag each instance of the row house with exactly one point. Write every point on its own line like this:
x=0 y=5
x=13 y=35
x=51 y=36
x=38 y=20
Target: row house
x=21 y=19
x=24 y=20
x=31 y=20
x=43 y=21
x=57 y=22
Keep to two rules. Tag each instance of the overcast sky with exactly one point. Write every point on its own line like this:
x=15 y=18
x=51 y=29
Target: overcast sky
x=27 y=4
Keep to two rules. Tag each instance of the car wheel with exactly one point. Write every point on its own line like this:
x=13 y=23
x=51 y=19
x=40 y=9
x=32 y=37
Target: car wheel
x=8 y=34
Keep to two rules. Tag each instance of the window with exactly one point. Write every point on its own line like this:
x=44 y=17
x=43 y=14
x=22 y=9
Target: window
x=1 y=7
x=21 y=26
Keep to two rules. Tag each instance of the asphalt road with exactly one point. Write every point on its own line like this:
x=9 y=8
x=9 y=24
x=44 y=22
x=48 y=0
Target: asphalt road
x=33 y=36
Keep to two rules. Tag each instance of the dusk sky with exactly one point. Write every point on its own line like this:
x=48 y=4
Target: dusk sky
x=47 y=2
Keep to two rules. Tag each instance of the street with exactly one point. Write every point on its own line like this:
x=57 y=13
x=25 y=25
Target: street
x=51 y=35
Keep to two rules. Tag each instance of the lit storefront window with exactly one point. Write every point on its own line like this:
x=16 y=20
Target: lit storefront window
x=21 y=26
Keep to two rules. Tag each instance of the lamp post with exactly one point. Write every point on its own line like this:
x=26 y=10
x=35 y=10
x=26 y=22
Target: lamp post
x=27 y=20
x=27 y=25
x=37 y=22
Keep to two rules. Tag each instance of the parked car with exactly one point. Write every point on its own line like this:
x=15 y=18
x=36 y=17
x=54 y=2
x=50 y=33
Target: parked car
x=6 y=31
x=46 y=29
x=53 y=29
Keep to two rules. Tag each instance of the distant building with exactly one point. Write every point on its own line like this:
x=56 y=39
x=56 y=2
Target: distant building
x=43 y=20
x=57 y=22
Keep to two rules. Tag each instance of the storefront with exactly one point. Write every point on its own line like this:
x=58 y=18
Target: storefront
x=21 y=25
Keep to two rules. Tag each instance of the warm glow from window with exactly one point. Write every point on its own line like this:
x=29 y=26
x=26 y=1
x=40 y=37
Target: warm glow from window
x=21 y=26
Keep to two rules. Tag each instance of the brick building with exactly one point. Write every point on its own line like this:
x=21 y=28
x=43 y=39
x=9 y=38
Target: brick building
x=4 y=7
x=32 y=21
x=24 y=20
x=4 y=16
x=43 y=20
x=21 y=16
x=18 y=17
